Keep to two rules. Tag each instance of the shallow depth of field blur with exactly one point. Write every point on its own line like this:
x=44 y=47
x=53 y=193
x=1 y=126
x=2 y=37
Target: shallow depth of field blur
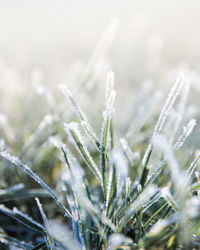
x=44 y=43
x=146 y=43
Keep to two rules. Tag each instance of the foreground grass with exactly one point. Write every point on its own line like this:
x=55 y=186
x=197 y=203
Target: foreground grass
x=107 y=196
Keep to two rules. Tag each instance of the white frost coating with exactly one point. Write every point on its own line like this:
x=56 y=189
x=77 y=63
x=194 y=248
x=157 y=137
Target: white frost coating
x=62 y=232
x=84 y=122
x=158 y=227
x=115 y=240
x=48 y=119
x=192 y=207
x=142 y=199
x=109 y=83
x=73 y=128
x=65 y=90
x=128 y=185
x=193 y=166
x=109 y=184
x=179 y=179
x=181 y=106
x=121 y=163
x=57 y=143
x=28 y=171
x=186 y=133
x=45 y=220
x=18 y=212
x=175 y=91
x=106 y=136
x=15 y=188
x=173 y=94
x=165 y=192
x=176 y=173
x=110 y=102
x=127 y=150
x=107 y=114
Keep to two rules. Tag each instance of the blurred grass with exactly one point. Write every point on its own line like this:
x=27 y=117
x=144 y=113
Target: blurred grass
x=121 y=207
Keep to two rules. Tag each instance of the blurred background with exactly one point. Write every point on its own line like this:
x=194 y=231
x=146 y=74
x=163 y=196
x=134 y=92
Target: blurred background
x=47 y=42
x=49 y=33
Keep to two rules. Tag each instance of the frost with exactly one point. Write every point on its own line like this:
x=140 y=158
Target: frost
x=175 y=91
x=186 y=133
x=28 y=171
x=84 y=122
x=158 y=227
x=73 y=131
x=119 y=159
x=173 y=94
x=115 y=240
x=109 y=83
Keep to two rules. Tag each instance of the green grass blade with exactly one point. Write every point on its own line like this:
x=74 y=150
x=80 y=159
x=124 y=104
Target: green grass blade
x=15 y=161
x=159 y=125
x=50 y=242
x=105 y=133
x=193 y=166
x=6 y=196
x=136 y=205
x=111 y=187
x=84 y=122
x=73 y=131
x=23 y=218
x=186 y=133
x=147 y=223
x=8 y=240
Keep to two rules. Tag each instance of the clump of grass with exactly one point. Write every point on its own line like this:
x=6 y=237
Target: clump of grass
x=109 y=209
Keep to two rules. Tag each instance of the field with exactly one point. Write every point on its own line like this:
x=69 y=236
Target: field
x=100 y=152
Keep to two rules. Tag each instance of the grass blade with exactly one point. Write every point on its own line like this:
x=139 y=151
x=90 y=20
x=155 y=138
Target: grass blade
x=84 y=122
x=15 y=161
x=8 y=240
x=50 y=242
x=159 y=125
x=23 y=218
x=135 y=206
x=73 y=131
x=105 y=133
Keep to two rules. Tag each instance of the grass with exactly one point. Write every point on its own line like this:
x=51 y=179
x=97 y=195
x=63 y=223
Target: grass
x=109 y=194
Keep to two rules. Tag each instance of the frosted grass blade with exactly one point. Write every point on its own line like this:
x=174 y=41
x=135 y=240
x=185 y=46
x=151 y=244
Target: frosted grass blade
x=105 y=133
x=147 y=223
x=136 y=205
x=193 y=166
x=73 y=131
x=165 y=193
x=84 y=122
x=8 y=240
x=180 y=141
x=159 y=125
x=117 y=240
x=111 y=187
x=178 y=178
x=181 y=108
x=15 y=161
x=23 y=218
x=186 y=133
x=22 y=194
x=127 y=151
x=47 y=121
x=50 y=242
